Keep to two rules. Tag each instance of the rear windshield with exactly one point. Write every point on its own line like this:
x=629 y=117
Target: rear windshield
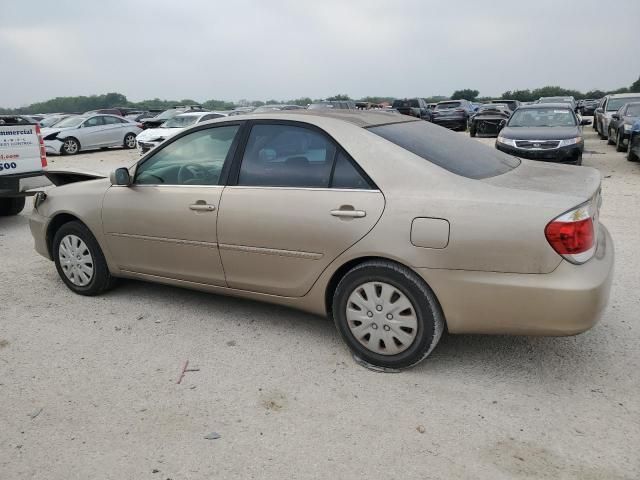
x=406 y=104
x=451 y=151
x=444 y=106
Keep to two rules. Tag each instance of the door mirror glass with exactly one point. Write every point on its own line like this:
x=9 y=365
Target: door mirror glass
x=120 y=177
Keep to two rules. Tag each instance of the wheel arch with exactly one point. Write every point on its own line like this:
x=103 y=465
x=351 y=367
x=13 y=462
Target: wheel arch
x=337 y=275
x=56 y=223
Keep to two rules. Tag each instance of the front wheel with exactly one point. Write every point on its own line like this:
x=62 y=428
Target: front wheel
x=11 y=206
x=620 y=146
x=632 y=157
x=610 y=137
x=129 y=141
x=387 y=315
x=80 y=261
x=70 y=146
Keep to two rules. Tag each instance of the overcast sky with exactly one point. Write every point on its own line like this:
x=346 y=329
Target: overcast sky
x=283 y=49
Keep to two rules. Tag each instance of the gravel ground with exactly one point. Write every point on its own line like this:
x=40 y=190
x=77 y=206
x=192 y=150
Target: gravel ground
x=88 y=385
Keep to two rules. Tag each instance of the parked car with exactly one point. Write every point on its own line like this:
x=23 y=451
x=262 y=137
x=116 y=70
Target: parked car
x=334 y=105
x=138 y=116
x=86 y=132
x=414 y=107
x=385 y=252
x=22 y=158
x=550 y=132
x=610 y=105
x=489 y=120
x=588 y=106
x=568 y=100
x=162 y=117
x=621 y=123
x=152 y=137
x=633 y=153
x=241 y=111
x=511 y=104
x=452 y=114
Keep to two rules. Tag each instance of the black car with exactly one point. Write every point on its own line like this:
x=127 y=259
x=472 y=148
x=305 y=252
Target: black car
x=488 y=120
x=549 y=132
x=588 y=106
x=453 y=114
x=621 y=123
x=415 y=107
x=633 y=155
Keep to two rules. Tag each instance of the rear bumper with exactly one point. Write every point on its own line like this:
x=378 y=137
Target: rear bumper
x=558 y=155
x=567 y=301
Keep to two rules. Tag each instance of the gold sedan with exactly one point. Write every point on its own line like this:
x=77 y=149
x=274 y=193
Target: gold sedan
x=396 y=228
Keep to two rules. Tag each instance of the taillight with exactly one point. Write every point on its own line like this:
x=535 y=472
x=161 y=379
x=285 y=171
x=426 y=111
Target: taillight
x=43 y=151
x=573 y=234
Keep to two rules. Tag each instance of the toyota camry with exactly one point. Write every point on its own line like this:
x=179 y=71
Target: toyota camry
x=395 y=228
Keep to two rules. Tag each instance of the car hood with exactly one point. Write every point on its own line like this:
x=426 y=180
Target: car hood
x=539 y=133
x=154 y=133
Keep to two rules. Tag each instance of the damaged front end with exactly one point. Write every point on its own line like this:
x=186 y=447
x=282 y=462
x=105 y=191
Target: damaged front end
x=487 y=125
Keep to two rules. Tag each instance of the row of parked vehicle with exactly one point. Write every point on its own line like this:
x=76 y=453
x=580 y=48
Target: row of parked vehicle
x=617 y=120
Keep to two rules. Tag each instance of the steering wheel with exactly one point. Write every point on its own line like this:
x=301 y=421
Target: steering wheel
x=191 y=171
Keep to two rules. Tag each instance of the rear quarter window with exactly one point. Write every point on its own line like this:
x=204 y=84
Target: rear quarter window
x=451 y=151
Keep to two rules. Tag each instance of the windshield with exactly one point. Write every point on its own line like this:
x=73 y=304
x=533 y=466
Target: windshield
x=168 y=113
x=70 y=122
x=615 y=103
x=542 y=117
x=448 y=105
x=448 y=150
x=406 y=103
x=180 y=121
x=49 y=121
x=633 y=110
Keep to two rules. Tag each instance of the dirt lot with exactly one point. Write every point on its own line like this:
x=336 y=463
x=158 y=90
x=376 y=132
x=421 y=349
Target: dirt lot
x=88 y=385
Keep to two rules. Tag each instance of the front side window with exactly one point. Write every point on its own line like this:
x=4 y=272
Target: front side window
x=94 y=122
x=195 y=159
x=287 y=156
x=615 y=103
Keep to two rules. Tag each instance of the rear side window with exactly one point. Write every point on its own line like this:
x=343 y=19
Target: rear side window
x=346 y=175
x=453 y=152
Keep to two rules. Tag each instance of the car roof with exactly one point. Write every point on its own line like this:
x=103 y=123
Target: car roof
x=364 y=119
x=624 y=95
x=545 y=105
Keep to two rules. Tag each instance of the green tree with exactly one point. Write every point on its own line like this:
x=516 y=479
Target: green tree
x=635 y=86
x=339 y=97
x=465 y=94
x=595 y=94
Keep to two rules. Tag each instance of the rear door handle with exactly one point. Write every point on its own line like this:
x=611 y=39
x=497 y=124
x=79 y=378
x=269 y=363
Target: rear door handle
x=349 y=213
x=202 y=207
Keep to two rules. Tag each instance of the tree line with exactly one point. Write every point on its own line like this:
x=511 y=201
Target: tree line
x=80 y=104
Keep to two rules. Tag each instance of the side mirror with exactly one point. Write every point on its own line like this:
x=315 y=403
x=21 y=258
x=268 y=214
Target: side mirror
x=615 y=116
x=120 y=177
x=502 y=124
x=585 y=122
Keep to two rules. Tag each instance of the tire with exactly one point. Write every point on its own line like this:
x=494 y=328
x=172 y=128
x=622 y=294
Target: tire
x=11 y=206
x=610 y=138
x=70 y=146
x=620 y=146
x=408 y=343
x=472 y=131
x=129 y=141
x=66 y=238
x=579 y=160
x=632 y=157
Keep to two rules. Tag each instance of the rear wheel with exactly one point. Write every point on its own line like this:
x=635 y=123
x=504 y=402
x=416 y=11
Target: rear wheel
x=632 y=157
x=387 y=315
x=80 y=261
x=11 y=206
x=129 y=141
x=70 y=146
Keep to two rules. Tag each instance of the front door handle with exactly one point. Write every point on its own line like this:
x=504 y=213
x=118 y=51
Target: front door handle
x=202 y=207
x=348 y=213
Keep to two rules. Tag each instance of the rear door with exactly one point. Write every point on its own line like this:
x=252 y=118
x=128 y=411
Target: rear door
x=92 y=133
x=295 y=202
x=114 y=130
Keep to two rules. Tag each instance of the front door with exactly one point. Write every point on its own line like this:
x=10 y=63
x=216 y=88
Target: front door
x=292 y=212
x=164 y=224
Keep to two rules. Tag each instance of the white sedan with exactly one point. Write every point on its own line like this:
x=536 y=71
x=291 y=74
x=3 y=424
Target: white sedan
x=152 y=137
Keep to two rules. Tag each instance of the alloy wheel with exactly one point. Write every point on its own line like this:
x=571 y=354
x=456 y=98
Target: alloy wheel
x=70 y=146
x=382 y=318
